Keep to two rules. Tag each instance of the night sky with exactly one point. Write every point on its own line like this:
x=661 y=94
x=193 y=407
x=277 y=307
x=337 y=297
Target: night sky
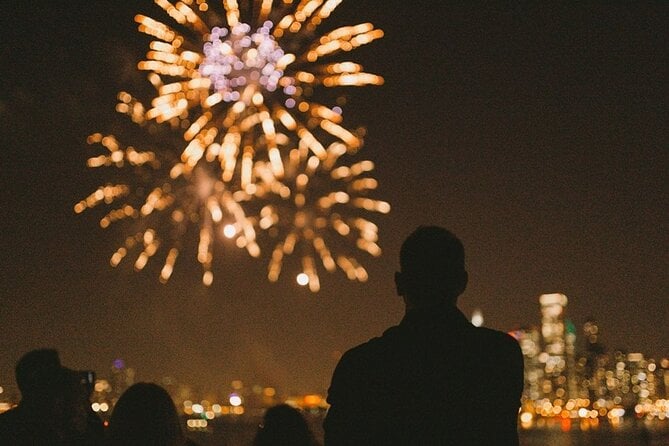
x=536 y=133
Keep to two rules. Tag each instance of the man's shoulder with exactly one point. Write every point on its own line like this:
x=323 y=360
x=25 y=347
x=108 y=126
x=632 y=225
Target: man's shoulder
x=499 y=348
x=13 y=425
x=497 y=340
x=10 y=416
x=496 y=336
x=372 y=350
x=362 y=350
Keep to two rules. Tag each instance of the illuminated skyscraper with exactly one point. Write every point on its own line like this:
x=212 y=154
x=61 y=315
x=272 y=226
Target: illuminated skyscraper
x=530 y=344
x=570 y=351
x=594 y=378
x=554 y=356
x=121 y=378
x=643 y=381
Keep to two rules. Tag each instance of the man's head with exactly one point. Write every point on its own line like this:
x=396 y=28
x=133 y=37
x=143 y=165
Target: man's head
x=432 y=267
x=39 y=374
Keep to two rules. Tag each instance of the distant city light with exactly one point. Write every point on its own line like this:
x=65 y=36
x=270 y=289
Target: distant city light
x=269 y=391
x=477 y=318
x=235 y=400
x=312 y=400
x=560 y=390
x=196 y=424
x=100 y=407
x=617 y=412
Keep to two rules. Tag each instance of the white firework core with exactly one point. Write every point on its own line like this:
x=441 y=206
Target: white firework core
x=235 y=58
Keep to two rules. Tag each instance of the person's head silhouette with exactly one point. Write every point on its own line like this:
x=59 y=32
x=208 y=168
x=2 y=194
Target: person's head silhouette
x=432 y=267
x=40 y=375
x=283 y=425
x=54 y=403
x=145 y=415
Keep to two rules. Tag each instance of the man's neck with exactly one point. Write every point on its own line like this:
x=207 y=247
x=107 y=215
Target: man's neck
x=419 y=304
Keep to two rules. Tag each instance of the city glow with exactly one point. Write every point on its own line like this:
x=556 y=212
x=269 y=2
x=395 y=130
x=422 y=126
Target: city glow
x=581 y=390
x=251 y=146
x=235 y=400
x=269 y=391
x=313 y=401
x=562 y=386
x=477 y=318
x=196 y=423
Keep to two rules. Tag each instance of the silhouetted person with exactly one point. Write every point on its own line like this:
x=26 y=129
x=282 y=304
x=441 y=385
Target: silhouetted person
x=145 y=415
x=284 y=425
x=55 y=407
x=82 y=426
x=434 y=379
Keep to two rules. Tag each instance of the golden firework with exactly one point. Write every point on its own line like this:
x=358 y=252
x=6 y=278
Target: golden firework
x=164 y=209
x=236 y=85
x=317 y=211
x=255 y=152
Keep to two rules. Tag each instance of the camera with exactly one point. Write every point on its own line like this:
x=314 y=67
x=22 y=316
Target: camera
x=86 y=379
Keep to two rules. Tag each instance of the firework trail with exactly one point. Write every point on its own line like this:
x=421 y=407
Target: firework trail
x=319 y=213
x=238 y=81
x=164 y=212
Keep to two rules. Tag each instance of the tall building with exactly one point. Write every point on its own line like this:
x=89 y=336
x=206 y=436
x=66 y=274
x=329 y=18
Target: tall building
x=529 y=340
x=570 y=352
x=594 y=361
x=554 y=357
x=121 y=378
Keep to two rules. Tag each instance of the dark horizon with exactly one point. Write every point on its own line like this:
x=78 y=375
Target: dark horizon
x=536 y=134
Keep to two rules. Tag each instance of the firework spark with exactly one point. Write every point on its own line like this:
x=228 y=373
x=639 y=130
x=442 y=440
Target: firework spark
x=163 y=207
x=318 y=214
x=235 y=86
x=238 y=83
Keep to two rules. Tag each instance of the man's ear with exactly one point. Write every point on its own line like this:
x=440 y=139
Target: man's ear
x=399 y=284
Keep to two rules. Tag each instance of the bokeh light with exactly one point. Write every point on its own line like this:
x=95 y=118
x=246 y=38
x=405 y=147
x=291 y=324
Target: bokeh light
x=240 y=89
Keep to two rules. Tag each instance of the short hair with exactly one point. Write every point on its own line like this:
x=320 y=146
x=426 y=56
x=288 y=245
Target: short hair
x=433 y=257
x=285 y=425
x=145 y=415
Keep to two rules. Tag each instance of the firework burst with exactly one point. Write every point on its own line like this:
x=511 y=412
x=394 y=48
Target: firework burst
x=256 y=151
x=165 y=210
x=317 y=214
x=234 y=85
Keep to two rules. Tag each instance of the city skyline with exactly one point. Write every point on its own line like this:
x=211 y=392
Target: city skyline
x=575 y=387
x=536 y=134
x=554 y=333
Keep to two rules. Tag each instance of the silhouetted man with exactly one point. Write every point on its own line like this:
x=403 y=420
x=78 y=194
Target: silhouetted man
x=434 y=379
x=54 y=409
